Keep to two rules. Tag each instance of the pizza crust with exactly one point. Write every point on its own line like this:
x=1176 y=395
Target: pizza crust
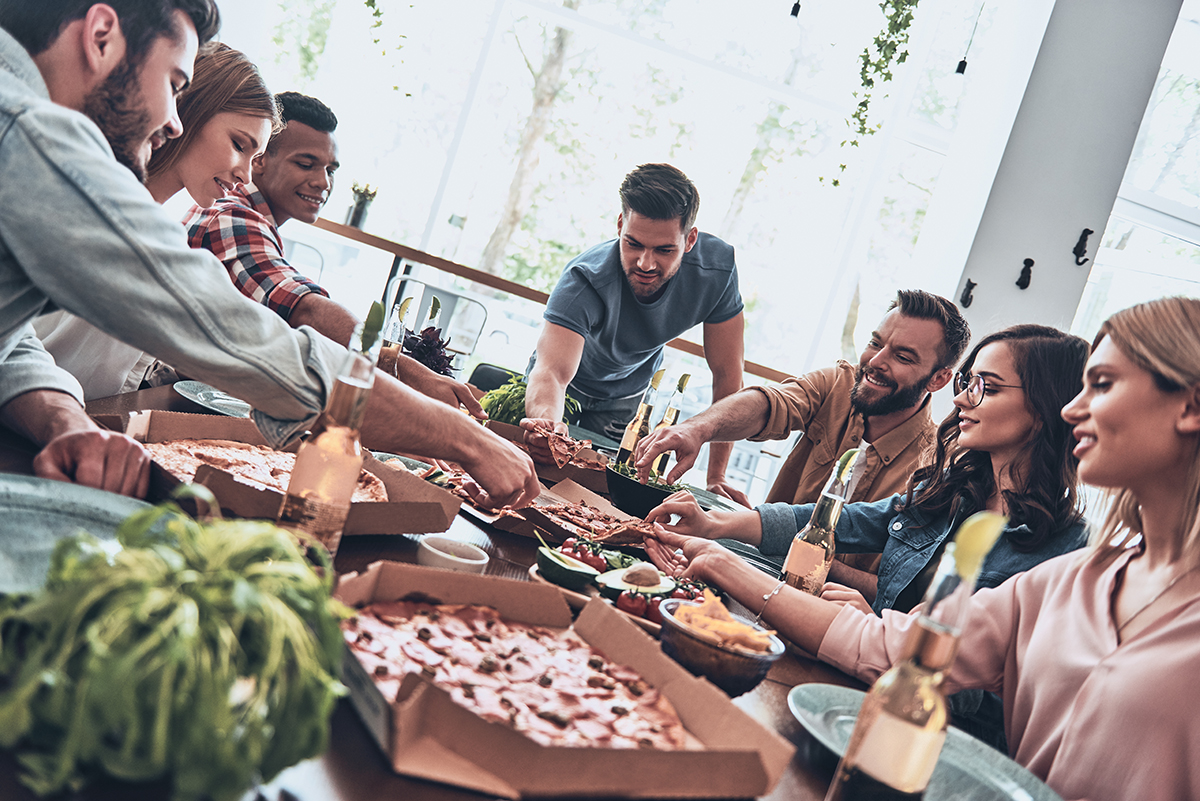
x=256 y=465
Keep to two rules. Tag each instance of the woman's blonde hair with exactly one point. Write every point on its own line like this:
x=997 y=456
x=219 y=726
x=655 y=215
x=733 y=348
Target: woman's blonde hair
x=224 y=80
x=1163 y=338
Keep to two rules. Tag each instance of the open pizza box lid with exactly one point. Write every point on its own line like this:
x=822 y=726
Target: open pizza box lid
x=427 y=735
x=416 y=506
x=593 y=478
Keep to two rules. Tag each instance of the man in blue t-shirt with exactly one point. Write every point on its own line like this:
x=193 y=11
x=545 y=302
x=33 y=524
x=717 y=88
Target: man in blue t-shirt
x=618 y=303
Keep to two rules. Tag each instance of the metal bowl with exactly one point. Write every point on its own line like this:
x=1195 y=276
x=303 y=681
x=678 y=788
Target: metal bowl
x=632 y=496
x=735 y=670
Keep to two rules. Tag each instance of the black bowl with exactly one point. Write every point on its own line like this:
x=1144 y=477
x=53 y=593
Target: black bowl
x=631 y=496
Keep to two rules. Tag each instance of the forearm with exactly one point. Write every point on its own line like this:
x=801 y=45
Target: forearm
x=725 y=385
x=545 y=395
x=733 y=418
x=798 y=616
x=328 y=317
x=41 y=415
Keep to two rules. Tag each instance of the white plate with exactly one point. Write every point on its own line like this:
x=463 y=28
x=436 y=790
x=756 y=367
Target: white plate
x=967 y=770
x=212 y=398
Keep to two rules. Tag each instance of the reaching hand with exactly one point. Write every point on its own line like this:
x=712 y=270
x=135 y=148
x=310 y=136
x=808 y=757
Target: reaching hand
x=683 y=439
x=537 y=443
x=724 y=488
x=693 y=521
x=442 y=388
x=94 y=458
x=502 y=474
x=841 y=594
x=680 y=555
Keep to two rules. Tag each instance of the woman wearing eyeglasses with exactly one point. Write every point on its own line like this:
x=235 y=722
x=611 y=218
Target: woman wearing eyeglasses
x=1005 y=448
x=1095 y=652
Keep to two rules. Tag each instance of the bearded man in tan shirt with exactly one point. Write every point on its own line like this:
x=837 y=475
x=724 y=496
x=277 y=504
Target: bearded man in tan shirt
x=880 y=405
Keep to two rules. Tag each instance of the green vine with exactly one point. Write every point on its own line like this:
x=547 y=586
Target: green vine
x=888 y=49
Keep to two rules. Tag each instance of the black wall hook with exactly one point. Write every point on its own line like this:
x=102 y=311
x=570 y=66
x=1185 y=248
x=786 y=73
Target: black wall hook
x=967 y=298
x=1081 y=246
x=1026 y=274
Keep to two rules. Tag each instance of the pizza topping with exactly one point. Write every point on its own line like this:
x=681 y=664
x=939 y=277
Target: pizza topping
x=256 y=465
x=547 y=684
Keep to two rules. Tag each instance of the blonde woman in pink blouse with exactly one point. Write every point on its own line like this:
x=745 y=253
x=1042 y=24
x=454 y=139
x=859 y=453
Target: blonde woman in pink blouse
x=1095 y=653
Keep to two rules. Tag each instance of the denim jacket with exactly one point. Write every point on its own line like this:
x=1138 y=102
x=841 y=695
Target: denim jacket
x=908 y=540
x=79 y=232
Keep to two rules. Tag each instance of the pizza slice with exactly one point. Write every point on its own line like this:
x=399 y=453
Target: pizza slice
x=563 y=448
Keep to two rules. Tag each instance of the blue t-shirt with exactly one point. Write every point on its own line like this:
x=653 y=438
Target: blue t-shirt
x=623 y=337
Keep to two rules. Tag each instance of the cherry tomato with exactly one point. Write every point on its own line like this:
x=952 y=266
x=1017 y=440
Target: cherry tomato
x=632 y=602
x=652 y=612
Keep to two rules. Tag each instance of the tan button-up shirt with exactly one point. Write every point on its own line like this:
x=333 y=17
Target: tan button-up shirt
x=819 y=405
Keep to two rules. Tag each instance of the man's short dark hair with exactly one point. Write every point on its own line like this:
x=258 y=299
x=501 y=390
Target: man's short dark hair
x=956 y=334
x=305 y=109
x=660 y=192
x=37 y=23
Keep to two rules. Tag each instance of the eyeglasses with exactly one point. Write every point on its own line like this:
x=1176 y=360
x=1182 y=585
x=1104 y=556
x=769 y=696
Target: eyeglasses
x=975 y=387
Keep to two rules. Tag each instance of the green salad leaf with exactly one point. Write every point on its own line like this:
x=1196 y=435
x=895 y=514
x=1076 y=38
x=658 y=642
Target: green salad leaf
x=506 y=404
x=201 y=653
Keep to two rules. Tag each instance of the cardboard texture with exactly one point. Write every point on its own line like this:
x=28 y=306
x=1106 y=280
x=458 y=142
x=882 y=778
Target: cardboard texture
x=426 y=735
x=417 y=507
x=594 y=480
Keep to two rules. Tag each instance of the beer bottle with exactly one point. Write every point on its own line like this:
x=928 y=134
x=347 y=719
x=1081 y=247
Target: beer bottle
x=668 y=419
x=902 y=723
x=639 y=426
x=330 y=458
x=812 y=550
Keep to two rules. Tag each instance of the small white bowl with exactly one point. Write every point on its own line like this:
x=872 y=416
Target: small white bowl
x=451 y=554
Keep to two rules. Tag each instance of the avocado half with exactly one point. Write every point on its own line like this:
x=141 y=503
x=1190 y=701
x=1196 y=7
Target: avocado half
x=614 y=582
x=558 y=568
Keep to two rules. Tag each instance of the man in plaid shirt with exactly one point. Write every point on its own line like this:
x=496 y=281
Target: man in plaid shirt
x=292 y=180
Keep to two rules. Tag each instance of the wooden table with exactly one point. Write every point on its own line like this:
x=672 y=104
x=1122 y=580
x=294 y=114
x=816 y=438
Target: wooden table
x=354 y=769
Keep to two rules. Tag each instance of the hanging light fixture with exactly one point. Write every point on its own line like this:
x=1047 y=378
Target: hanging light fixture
x=962 y=65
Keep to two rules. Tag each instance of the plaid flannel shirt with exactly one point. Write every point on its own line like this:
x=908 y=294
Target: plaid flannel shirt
x=240 y=230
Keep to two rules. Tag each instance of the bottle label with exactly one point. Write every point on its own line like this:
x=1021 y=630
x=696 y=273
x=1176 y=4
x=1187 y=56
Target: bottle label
x=806 y=566
x=320 y=521
x=897 y=753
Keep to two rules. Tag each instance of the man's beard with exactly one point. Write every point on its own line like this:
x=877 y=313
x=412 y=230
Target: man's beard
x=900 y=398
x=114 y=107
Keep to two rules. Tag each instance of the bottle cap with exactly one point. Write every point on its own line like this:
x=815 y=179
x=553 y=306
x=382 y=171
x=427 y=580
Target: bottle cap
x=654 y=382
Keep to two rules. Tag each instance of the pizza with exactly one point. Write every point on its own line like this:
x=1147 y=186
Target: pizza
x=601 y=526
x=256 y=465
x=547 y=684
x=563 y=448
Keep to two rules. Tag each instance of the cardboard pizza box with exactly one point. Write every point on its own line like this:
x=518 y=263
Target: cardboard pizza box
x=425 y=734
x=593 y=478
x=416 y=506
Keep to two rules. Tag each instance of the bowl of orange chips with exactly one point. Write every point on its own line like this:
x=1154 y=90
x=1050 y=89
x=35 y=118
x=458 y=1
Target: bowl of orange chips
x=709 y=641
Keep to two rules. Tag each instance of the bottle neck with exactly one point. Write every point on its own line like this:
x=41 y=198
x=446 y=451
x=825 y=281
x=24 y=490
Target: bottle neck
x=931 y=646
x=347 y=402
x=826 y=512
